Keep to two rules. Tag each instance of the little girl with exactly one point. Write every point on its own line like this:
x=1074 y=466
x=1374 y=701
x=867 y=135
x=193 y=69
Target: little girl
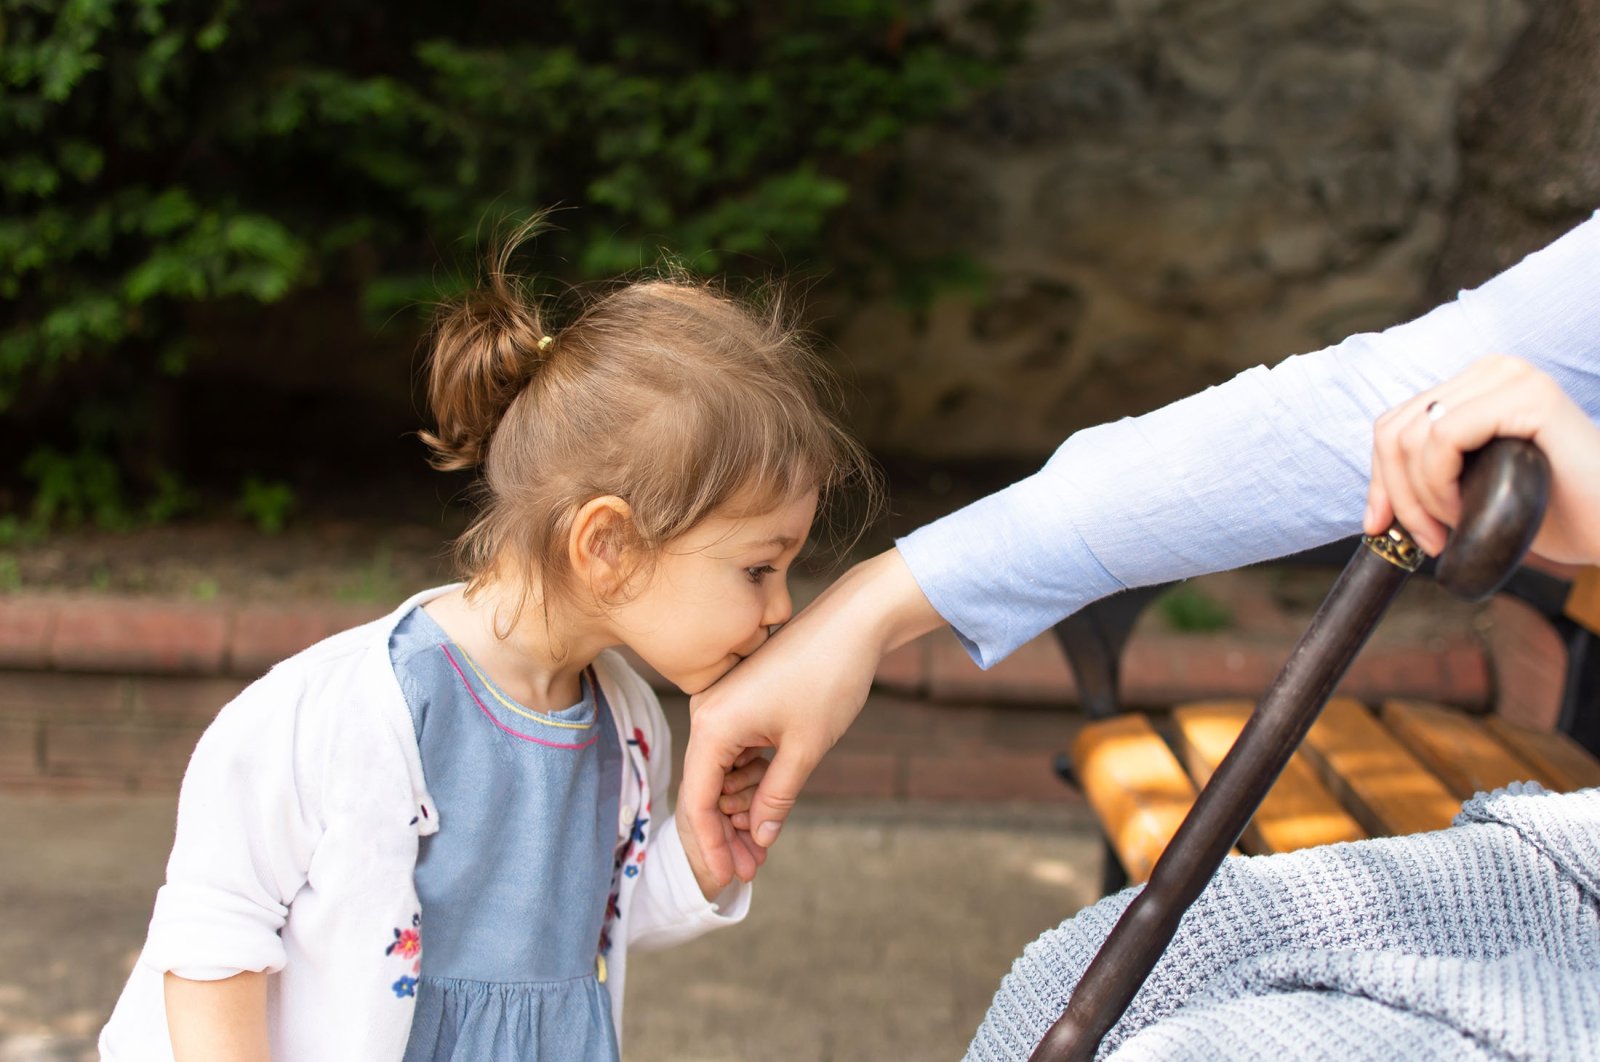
x=435 y=836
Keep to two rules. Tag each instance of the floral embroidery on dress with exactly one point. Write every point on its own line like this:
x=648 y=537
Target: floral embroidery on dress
x=638 y=739
x=407 y=944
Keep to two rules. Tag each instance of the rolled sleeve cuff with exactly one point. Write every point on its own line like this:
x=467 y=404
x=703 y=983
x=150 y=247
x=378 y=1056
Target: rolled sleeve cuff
x=681 y=911
x=208 y=934
x=1006 y=567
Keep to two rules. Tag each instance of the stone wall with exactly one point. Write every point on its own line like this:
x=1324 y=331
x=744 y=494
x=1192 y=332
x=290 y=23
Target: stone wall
x=1165 y=192
x=1531 y=137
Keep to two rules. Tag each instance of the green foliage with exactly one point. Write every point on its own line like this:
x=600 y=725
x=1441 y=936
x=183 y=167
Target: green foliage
x=87 y=486
x=169 y=497
x=71 y=488
x=1192 y=611
x=160 y=156
x=267 y=504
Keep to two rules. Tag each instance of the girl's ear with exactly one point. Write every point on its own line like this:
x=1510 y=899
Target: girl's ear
x=597 y=544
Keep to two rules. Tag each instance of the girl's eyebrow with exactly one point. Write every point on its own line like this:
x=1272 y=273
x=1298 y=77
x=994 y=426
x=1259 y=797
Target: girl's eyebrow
x=781 y=541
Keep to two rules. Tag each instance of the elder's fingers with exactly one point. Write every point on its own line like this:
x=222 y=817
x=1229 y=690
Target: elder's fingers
x=1469 y=411
x=1417 y=450
x=705 y=765
x=1391 y=497
x=746 y=854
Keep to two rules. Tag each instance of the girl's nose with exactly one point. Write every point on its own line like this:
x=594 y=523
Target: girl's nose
x=780 y=606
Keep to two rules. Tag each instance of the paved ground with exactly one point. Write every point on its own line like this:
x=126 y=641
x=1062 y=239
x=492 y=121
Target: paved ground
x=881 y=928
x=883 y=923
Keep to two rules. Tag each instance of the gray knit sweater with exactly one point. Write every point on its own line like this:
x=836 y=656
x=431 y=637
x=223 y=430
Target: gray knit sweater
x=1481 y=941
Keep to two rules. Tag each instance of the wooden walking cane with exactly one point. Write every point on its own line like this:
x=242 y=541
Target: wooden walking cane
x=1505 y=487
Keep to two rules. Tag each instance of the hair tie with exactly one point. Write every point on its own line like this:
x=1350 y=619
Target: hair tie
x=544 y=343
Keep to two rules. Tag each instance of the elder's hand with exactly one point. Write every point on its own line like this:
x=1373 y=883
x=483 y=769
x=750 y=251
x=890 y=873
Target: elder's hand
x=732 y=825
x=1418 y=448
x=797 y=694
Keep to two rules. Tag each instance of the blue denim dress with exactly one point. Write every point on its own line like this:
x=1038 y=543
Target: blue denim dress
x=515 y=883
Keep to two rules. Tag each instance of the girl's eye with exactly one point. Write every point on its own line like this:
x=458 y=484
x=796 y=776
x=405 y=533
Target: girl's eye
x=759 y=571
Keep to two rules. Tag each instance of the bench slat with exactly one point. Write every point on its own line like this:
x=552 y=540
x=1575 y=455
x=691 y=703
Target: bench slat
x=1298 y=811
x=1456 y=747
x=1136 y=787
x=1583 y=600
x=1564 y=763
x=1379 y=780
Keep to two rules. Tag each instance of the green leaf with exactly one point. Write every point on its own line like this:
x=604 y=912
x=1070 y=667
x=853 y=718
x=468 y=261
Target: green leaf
x=169 y=169
x=29 y=175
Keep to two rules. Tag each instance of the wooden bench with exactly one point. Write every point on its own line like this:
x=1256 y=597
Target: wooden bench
x=1401 y=766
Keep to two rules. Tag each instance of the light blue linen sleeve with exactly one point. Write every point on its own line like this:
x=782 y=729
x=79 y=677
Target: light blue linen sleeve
x=1269 y=463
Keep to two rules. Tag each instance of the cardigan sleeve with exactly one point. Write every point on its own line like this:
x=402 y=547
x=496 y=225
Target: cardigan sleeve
x=667 y=905
x=245 y=835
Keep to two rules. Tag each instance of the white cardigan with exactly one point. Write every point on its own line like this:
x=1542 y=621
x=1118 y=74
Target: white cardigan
x=297 y=838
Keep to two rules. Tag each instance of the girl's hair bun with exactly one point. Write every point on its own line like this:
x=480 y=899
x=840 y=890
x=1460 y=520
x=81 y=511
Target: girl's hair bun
x=669 y=393
x=487 y=345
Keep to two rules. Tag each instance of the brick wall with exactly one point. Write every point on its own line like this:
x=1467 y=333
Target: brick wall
x=112 y=693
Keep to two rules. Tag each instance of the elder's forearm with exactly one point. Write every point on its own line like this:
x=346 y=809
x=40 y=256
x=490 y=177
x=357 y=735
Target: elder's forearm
x=881 y=601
